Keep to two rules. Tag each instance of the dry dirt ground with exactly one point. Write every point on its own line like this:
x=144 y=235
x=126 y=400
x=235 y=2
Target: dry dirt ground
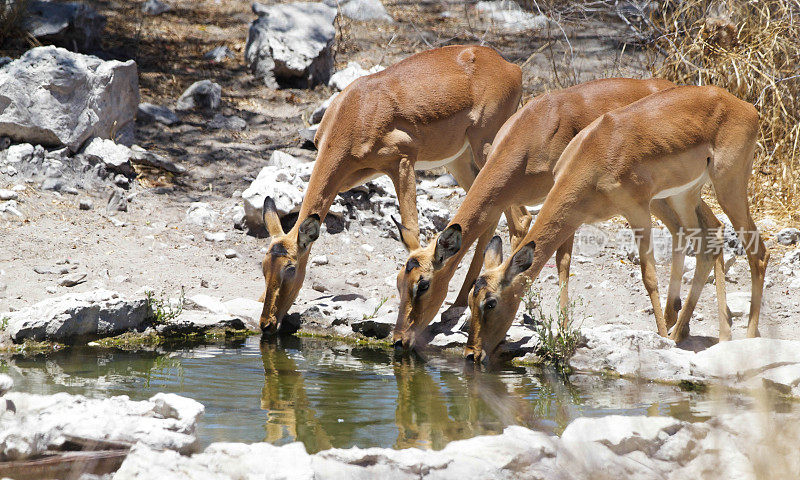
x=157 y=249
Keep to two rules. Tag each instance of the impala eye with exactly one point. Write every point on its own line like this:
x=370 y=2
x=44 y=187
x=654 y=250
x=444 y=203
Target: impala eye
x=490 y=303
x=423 y=285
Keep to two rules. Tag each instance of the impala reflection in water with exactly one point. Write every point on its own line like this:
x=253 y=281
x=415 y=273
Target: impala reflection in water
x=327 y=394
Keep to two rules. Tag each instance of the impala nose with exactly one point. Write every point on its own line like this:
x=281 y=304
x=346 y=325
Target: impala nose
x=470 y=357
x=398 y=344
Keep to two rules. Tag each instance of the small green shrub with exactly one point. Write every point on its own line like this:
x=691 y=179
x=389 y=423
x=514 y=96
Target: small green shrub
x=163 y=309
x=560 y=337
x=375 y=312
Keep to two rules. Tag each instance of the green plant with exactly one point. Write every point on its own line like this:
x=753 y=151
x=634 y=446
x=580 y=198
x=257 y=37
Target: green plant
x=4 y=322
x=559 y=337
x=375 y=312
x=164 y=310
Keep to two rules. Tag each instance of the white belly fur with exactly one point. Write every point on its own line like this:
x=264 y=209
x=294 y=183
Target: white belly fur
x=441 y=163
x=670 y=192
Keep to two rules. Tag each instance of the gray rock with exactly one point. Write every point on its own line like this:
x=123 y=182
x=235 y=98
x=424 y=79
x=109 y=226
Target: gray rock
x=219 y=54
x=117 y=202
x=3 y=62
x=20 y=153
x=319 y=260
x=221 y=122
x=377 y=327
x=204 y=95
x=744 y=358
x=68 y=25
x=73 y=279
x=739 y=303
x=8 y=194
x=291 y=43
x=116 y=158
x=11 y=208
x=284 y=180
x=784 y=379
x=191 y=321
x=102 y=101
x=341 y=79
x=319 y=112
x=155 y=7
x=154 y=113
x=364 y=10
x=788 y=236
x=201 y=214
x=76 y=316
x=231 y=253
x=46 y=422
x=140 y=155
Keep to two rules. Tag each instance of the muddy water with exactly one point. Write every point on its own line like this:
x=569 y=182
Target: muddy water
x=328 y=394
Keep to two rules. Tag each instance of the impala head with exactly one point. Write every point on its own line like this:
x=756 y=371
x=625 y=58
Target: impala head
x=284 y=265
x=422 y=282
x=494 y=299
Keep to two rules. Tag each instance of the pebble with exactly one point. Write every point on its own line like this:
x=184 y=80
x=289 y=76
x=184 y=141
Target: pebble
x=318 y=287
x=352 y=283
x=73 y=279
x=19 y=188
x=8 y=194
x=368 y=248
x=214 y=236
x=85 y=204
x=70 y=190
x=51 y=289
x=121 y=180
x=116 y=222
x=788 y=236
x=231 y=253
x=319 y=260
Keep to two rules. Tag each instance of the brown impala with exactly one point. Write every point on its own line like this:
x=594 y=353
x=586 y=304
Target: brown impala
x=664 y=147
x=519 y=171
x=423 y=112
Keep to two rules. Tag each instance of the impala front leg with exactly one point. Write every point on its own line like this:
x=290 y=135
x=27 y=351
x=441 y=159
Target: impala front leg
x=563 y=260
x=648 y=263
x=405 y=184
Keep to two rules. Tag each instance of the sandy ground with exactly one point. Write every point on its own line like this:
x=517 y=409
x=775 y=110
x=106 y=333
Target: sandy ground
x=157 y=249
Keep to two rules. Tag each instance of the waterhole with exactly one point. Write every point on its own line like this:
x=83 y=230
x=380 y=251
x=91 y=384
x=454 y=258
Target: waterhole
x=328 y=394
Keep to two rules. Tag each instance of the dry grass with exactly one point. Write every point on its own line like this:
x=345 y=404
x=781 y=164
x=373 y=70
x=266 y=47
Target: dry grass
x=12 y=13
x=749 y=48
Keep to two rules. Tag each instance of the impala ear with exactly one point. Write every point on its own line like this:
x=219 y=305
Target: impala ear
x=520 y=262
x=308 y=232
x=493 y=256
x=448 y=243
x=410 y=241
x=269 y=213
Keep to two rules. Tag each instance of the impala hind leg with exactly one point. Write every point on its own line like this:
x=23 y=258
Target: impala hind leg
x=519 y=222
x=734 y=204
x=715 y=230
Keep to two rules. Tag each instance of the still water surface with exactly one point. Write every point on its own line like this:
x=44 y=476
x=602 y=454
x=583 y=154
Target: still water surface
x=327 y=394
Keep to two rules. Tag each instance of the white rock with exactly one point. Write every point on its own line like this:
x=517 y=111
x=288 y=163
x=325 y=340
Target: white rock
x=364 y=10
x=95 y=313
x=103 y=98
x=8 y=194
x=745 y=357
x=214 y=236
x=155 y=7
x=622 y=434
x=6 y=384
x=319 y=260
x=231 y=253
x=246 y=309
x=367 y=248
x=783 y=378
x=19 y=153
x=201 y=214
x=291 y=43
x=739 y=303
x=341 y=79
x=284 y=180
x=170 y=405
x=42 y=422
x=206 y=302
x=509 y=15
x=115 y=157
x=788 y=236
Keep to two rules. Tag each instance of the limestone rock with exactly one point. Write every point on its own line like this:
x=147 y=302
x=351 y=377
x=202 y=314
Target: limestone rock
x=154 y=113
x=203 y=95
x=290 y=43
x=102 y=100
x=341 y=79
x=201 y=214
x=510 y=16
x=76 y=317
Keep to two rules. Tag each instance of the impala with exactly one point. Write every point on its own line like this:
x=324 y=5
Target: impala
x=423 y=112
x=663 y=147
x=519 y=171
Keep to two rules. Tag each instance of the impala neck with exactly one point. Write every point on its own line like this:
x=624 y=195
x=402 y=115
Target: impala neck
x=479 y=211
x=326 y=180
